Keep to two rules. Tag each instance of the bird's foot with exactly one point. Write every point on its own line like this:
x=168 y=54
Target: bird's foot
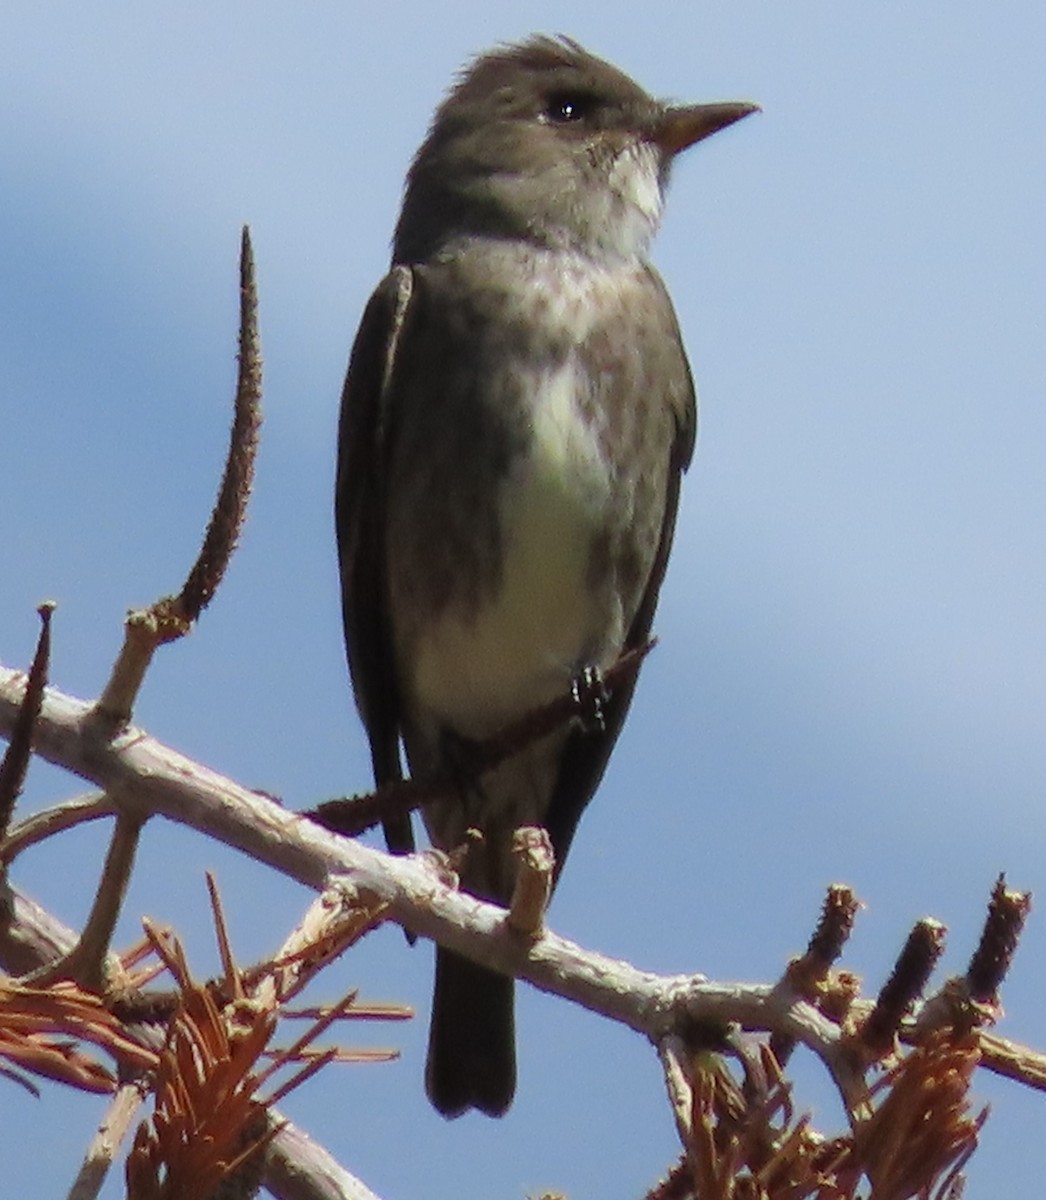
x=591 y=698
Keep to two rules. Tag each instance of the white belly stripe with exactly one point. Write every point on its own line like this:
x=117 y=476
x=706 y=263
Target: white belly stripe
x=524 y=646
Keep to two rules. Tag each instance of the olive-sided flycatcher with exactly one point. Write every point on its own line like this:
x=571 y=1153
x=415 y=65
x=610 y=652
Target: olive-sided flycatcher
x=517 y=413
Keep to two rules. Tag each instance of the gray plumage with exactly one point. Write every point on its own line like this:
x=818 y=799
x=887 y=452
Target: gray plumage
x=516 y=417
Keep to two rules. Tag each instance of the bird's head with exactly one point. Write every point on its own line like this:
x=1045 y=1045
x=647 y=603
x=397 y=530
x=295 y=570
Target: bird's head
x=544 y=142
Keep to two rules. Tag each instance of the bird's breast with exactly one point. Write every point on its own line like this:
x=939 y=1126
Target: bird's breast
x=545 y=615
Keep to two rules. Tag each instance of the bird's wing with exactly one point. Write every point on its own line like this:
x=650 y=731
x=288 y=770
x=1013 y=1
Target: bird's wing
x=587 y=750
x=360 y=522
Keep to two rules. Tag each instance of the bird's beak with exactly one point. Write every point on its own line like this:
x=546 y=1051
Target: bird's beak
x=679 y=128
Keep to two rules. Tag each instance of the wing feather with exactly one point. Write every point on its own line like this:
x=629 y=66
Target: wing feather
x=360 y=525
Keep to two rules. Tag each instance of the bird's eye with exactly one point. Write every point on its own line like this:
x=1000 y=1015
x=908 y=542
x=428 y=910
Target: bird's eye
x=567 y=108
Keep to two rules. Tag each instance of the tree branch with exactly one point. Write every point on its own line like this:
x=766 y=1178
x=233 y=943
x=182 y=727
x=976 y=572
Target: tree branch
x=152 y=779
x=159 y=780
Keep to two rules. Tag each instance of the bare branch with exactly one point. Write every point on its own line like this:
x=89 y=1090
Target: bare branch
x=87 y=962
x=106 y=1142
x=49 y=821
x=30 y=937
x=1013 y=1061
x=532 y=849
x=297 y=1168
x=141 y=636
x=672 y=1053
x=159 y=780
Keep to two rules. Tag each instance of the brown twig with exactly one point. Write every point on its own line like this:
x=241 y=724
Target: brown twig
x=906 y=983
x=676 y=1185
x=171 y=617
x=36 y=1025
x=296 y=1167
x=230 y=510
x=233 y=978
x=832 y=933
x=921 y=1132
x=16 y=758
x=211 y=1124
x=356 y=814
x=1007 y=913
x=807 y=975
x=970 y=1001
x=207 y=1124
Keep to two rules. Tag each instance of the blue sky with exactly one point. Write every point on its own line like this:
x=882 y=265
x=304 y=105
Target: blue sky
x=851 y=683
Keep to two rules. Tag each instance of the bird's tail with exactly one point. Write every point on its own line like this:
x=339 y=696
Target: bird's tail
x=472 y=1039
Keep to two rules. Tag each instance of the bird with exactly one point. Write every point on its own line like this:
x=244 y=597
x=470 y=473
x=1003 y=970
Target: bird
x=516 y=417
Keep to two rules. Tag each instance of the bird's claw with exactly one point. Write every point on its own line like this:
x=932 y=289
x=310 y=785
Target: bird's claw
x=591 y=698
